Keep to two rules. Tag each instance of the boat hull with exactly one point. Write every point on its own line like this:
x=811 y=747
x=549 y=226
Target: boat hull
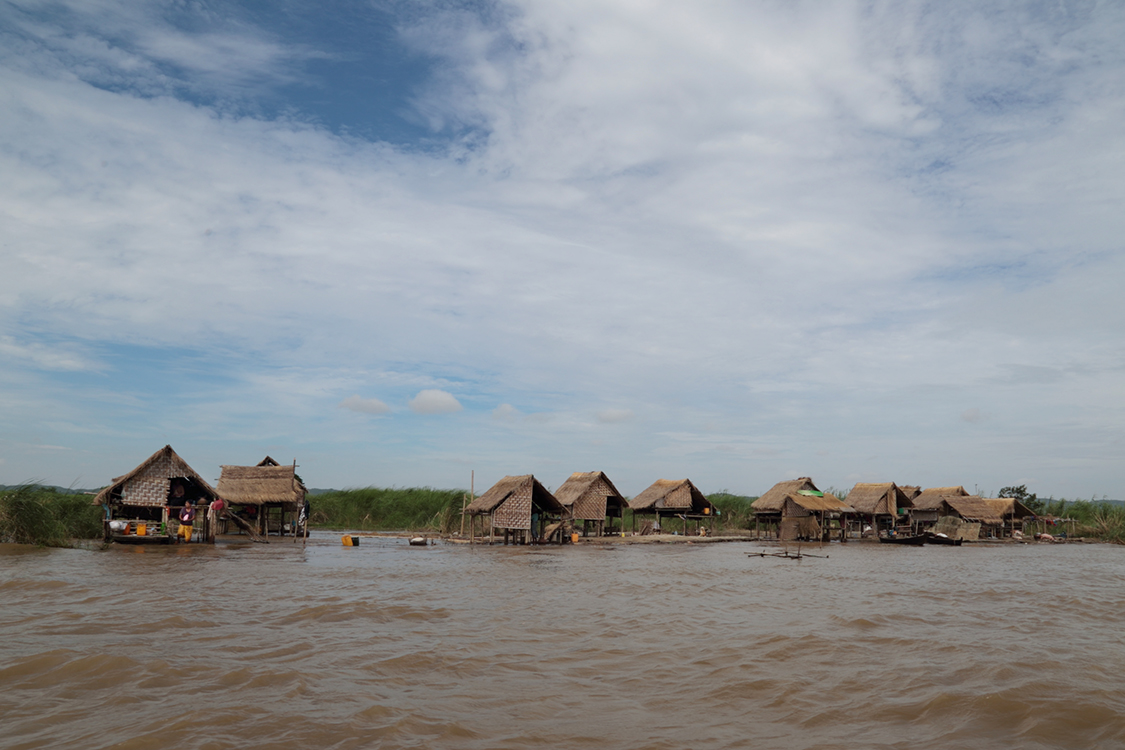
x=913 y=541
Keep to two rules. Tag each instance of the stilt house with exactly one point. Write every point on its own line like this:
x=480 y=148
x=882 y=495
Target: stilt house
x=807 y=515
x=591 y=498
x=881 y=505
x=268 y=496
x=669 y=498
x=143 y=506
x=769 y=507
x=1011 y=511
x=929 y=505
x=521 y=508
x=975 y=510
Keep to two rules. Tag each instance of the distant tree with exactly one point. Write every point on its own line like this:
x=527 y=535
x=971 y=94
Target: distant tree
x=1032 y=501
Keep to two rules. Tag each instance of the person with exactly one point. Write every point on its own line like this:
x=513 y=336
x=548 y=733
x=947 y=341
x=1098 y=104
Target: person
x=187 y=520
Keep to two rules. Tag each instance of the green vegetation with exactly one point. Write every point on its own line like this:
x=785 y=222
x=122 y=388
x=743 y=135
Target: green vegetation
x=388 y=509
x=1092 y=519
x=734 y=510
x=33 y=514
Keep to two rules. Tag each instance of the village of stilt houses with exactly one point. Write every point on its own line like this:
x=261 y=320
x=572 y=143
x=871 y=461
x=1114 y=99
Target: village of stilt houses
x=165 y=501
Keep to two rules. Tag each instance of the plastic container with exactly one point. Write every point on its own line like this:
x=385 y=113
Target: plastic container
x=142 y=529
x=574 y=538
x=349 y=540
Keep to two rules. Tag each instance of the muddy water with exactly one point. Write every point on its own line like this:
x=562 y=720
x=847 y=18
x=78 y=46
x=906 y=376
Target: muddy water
x=668 y=646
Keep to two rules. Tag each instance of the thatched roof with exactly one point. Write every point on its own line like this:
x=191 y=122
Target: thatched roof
x=579 y=483
x=883 y=498
x=150 y=481
x=261 y=484
x=973 y=508
x=910 y=490
x=525 y=484
x=932 y=498
x=671 y=494
x=1009 y=507
x=828 y=502
x=774 y=499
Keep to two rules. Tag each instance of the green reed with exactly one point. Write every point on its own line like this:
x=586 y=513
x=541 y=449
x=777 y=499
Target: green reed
x=32 y=514
x=388 y=509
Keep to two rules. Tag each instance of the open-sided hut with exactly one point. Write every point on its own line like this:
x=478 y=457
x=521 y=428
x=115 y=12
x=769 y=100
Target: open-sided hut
x=591 y=497
x=669 y=498
x=977 y=510
x=520 y=507
x=1012 y=512
x=143 y=506
x=806 y=515
x=267 y=496
x=768 y=508
x=880 y=504
x=929 y=505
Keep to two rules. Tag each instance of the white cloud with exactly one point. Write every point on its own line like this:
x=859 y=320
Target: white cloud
x=610 y=416
x=505 y=413
x=46 y=357
x=365 y=405
x=432 y=401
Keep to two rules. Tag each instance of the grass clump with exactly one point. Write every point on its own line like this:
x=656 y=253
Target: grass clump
x=32 y=514
x=388 y=509
x=734 y=510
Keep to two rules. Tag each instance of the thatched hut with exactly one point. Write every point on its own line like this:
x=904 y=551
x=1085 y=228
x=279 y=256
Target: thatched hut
x=521 y=507
x=267 y=496
x=589 y=496
x=807 y=514
x=768 y=508
x=143 y=506
x=1011 y=511
x=668 y=498
x=929 y=505
x=976 y=510
x=879 y=504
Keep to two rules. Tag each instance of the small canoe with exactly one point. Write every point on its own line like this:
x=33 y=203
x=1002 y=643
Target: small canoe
x=916 y=541
x=938 y=539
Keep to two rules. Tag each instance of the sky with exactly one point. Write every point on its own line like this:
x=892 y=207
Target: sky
x=415 y=243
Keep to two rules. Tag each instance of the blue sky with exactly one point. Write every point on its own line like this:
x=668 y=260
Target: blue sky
x=403 y=241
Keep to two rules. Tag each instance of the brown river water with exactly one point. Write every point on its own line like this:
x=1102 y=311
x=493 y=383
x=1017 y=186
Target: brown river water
x=628 y=646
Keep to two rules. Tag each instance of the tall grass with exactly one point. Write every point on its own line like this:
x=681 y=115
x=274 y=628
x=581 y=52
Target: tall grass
x=1092 y=519
x=388 y=509
x=32 y=514
x=734 y=510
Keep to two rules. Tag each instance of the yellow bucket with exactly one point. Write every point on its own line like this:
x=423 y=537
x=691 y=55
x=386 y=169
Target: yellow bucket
x=574 y=538
x=349 y=540
x=142 y=529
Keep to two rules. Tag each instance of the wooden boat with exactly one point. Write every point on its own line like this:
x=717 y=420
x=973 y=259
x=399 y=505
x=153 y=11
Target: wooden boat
x=932 y=538
x=916 y=541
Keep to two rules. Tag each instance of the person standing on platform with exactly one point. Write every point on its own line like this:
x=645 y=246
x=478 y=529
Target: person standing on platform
x=187 y=520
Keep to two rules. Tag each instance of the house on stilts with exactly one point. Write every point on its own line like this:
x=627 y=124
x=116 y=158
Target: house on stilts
x=267 y=497
x=673 y=498
x=590 y=497
x=929 y=505
x=519 y=507
x=769 y=508
x=881 y=505
x=143 y=506
x=808 y=515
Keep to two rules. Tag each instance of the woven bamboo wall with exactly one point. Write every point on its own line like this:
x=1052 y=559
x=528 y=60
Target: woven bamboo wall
x=591 y=506
x=150 y=486
x=515 y=512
